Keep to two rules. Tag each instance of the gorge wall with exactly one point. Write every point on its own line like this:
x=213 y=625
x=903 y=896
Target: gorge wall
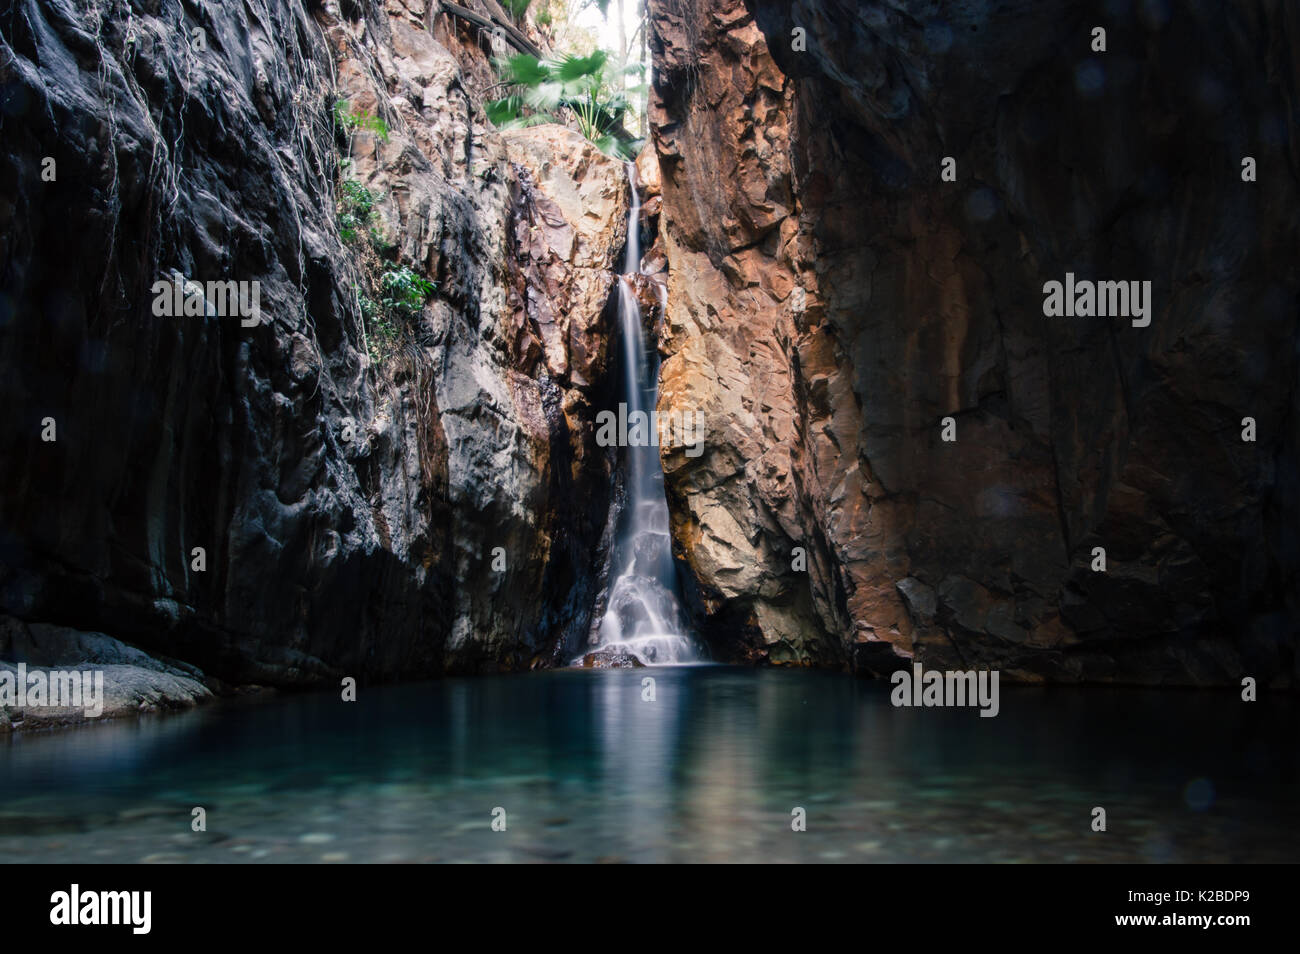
x=443 y=506
x=350 y=509
x=831 y=300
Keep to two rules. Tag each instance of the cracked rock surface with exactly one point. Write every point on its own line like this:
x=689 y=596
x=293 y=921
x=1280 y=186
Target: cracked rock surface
x=831 y=300
x=348 y=509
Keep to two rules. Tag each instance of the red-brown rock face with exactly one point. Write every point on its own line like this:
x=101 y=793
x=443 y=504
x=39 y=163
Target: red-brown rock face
x=832 y=300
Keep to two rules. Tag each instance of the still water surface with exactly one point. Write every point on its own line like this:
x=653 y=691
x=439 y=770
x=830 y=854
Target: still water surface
x=709 y=771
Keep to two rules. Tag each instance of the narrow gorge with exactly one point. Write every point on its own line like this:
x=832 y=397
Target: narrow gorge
x=786 y=353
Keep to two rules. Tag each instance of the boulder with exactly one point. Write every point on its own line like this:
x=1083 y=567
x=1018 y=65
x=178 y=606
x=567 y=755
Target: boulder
x=610 y=660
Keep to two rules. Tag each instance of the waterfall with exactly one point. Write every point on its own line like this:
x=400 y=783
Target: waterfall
x=643 y=615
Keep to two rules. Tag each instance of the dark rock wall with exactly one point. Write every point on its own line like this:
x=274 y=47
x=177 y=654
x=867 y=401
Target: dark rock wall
x=348 y=511
x=832 y=300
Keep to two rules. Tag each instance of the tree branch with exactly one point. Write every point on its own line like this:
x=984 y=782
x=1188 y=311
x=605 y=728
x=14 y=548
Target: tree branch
x=495 y=22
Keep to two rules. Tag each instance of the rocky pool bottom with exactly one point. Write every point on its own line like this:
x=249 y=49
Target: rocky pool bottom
x=587 y=770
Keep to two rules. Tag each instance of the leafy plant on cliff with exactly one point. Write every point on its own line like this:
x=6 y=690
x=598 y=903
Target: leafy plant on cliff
x=403 y=292
x=548 y=90
x=390 y=296
x=349 y=119
x=356 y=210
x=390 y=305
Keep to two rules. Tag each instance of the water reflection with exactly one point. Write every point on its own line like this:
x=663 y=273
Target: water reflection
x=588 y=769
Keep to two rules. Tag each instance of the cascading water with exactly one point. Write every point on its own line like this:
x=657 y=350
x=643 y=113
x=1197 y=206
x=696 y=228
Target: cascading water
x=643 y=615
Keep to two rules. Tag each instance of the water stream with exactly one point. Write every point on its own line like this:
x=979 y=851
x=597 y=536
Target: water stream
x=643 y=615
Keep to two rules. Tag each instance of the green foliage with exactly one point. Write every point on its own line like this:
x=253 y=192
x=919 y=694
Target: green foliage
x=516 y=8
x=508 y=113
x=356 y=211
x=381 y=333
x=348 y=121
x=398 y=296
x=391 y=296
x=403 y=292
x=541 y=90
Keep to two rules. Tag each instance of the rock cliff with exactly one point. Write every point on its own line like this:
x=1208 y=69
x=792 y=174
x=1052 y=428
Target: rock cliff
x=434 y=507
x=904 y=457
x=832 y=299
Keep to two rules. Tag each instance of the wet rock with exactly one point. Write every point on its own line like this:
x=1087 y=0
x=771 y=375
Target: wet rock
x=655 y=261
x=650 y=210
x=40 y=644
x=125 y=681
x=648 y=179
x=126 y=691
x=650 y=296
x=609 y=660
